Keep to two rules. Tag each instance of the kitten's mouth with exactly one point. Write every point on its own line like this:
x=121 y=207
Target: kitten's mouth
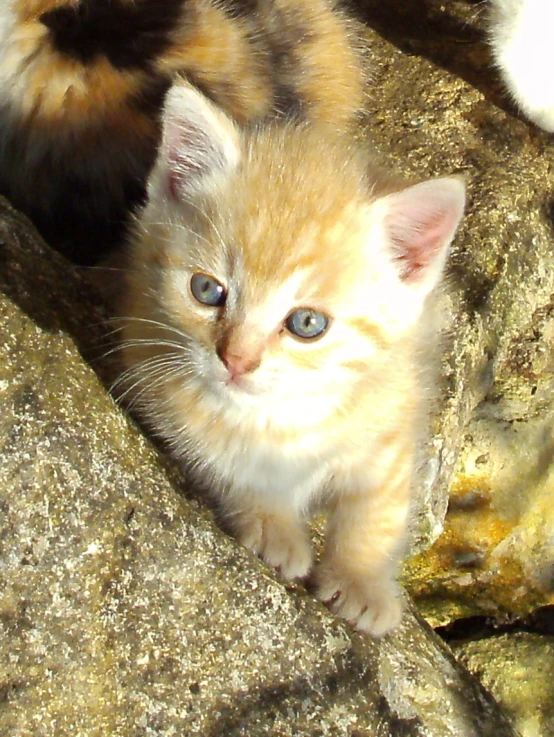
x=236 y=386
x=241 y=385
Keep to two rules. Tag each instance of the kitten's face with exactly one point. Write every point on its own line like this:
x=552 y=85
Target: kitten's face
x=284 y=272
x=280 y=317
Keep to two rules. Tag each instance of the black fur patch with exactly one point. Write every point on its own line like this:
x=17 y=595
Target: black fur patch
x=241 y=8
x=287 y=102
x=294 y=28
x=287 y=68
x=127 y=34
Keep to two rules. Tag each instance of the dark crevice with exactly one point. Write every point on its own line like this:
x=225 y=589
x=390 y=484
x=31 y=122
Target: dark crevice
x=540 y=622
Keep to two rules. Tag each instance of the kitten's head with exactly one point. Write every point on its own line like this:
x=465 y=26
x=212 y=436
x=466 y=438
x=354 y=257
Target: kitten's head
x=286 y=270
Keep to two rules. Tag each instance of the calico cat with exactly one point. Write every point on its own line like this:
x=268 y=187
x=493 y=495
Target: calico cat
x=82 y=83
x=276 y=291
x=522 y=39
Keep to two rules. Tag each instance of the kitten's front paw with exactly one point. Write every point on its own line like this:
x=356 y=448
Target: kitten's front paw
x=372 y=605
x=279 y=543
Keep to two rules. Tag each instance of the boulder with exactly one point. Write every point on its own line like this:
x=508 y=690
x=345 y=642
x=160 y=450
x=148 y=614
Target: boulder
x=125 y=610
x=436 y=108
x=513 y=666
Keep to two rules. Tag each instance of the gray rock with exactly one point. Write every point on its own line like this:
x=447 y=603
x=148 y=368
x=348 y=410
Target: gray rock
x=518 y=669
x=125 y=610
x=492 y=449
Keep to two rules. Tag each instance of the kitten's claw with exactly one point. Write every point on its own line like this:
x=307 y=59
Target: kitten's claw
x=372 y=605
x=279 y=544
x=332 y=600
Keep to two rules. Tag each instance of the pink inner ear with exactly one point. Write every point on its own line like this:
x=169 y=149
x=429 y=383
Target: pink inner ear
x=199 y=142
x=417 y=250
x=420 y=223
x=183 y=153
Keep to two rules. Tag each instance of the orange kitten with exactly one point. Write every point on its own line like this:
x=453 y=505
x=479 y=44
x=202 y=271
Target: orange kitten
x=276 y=290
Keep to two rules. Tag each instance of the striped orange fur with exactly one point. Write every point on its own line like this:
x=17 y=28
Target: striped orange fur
x=276 y=294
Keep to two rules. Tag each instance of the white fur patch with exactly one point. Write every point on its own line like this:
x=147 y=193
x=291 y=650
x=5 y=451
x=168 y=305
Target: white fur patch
x=522 y=37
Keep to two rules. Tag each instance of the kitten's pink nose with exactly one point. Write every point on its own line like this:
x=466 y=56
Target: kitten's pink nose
x=238 y=365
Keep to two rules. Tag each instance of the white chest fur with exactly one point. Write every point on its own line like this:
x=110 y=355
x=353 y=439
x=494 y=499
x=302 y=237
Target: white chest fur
x=284 y=477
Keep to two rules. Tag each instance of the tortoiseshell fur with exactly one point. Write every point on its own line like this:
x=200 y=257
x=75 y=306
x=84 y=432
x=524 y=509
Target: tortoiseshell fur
x=82 y=83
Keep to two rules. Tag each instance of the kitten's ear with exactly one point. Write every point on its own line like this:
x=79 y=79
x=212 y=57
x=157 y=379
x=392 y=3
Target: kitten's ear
x=199 y=144
x=419 y=224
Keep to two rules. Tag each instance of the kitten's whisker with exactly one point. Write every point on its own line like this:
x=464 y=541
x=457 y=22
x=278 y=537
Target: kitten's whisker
x=142 y=342
x=184 y=228
x=168 y=364
x=101 y=268
x=154 y=323
x=192 y=204
x=140 y=370
x=134 y=342
x=156 y=377
x=145 y=379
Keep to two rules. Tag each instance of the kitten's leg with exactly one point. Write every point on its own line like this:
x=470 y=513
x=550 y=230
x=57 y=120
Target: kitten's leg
x=366 y=536
x=280 y=538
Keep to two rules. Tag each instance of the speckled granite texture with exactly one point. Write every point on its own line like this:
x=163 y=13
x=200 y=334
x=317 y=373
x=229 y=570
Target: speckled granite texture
x=124 y=610
x=518 y=669
x=436 y=108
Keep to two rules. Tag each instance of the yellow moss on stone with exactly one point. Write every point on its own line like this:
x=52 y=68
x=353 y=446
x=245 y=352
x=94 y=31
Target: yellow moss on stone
x=461 y=574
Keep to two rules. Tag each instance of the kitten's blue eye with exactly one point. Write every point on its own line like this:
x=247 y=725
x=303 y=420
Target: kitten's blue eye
x=208 y=290
x=307 y=324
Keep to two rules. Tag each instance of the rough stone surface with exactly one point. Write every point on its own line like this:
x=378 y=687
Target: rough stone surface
x=437 y=109
x=125 y=611
x=518 y=669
